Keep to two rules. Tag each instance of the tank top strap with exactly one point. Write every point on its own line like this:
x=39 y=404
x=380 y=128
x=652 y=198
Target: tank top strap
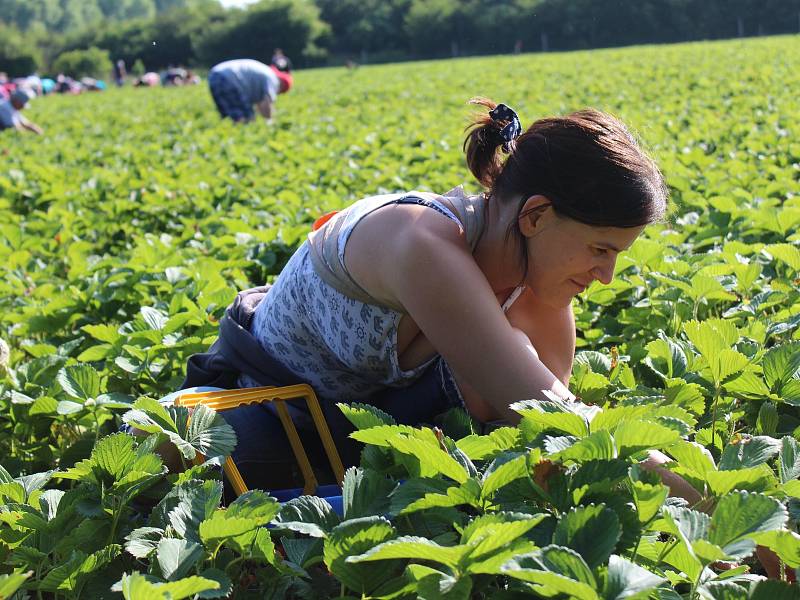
x=329 y=241
x=471 y=212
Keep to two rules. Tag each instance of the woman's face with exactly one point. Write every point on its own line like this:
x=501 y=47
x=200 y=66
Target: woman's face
x=565 y=256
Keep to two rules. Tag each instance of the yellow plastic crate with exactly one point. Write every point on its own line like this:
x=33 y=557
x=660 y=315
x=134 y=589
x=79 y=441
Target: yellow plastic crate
x=227 y=399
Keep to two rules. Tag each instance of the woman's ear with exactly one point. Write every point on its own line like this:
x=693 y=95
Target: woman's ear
x=530 y=215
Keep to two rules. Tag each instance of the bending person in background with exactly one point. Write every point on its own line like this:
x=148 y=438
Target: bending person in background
x=11 y=116
x=239 y=85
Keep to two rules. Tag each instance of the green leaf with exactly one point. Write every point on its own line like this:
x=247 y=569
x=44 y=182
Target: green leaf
x=789 y=460
x=151 y=416
x=712 y=336
x=597 y=476
x=209 y=433
x=154 y=318
x=550 y=416
x=748 y=452
x=435 y=585
x=550 y=585
x=221 y=527
x=136 y=587
x=727 y=364
x=412 y=547
x=498 y=475
x=689 y=524
x=432 y=459
x=685 y=395
x=68 y=407
x=493 y=535
x=79 y=381
x=114 y=454
x=255 y=505
x=467 y=493
x=66 y=577
x=748 y=385
x=365 y=493
x=596 y=361
x=755 y=479
x=197 y=501
x=352 y=538
x=666 y=358
x=709 y=553
x=310 y=515
x=225 y=585
x=104 y=333
x=380 y=435
x=44 y=405
x=143 y=541
x=722 y=590
x=780 y=364
x=694 y=457
x=255 y=545
x=767 y=421
x=631 y=437
x=786 y=253
x=49 y=501
x=592 y=531
x=784 y=543
x=596 y=446
x=628 y=580
x=648 y=493
x=35 y=481
x=741 y=514
x=364 y=416
x=772 y=589
x=12 y=582
x=176 y=557
x=96 y=353
x=566 y=562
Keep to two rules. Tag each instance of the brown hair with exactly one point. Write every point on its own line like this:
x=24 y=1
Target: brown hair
x=586 y=163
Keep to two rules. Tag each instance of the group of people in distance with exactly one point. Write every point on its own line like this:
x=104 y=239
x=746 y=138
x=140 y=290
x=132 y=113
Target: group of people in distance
x=237 y=86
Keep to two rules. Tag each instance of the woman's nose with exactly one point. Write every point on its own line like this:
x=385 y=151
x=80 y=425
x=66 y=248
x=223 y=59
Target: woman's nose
x=604 y=272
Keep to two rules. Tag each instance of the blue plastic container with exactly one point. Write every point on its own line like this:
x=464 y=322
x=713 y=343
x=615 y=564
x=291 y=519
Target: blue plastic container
x=332 y=493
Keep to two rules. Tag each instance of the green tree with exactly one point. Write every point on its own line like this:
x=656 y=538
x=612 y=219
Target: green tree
x=361 y=26
x=92 y=62
x=127 y=9
x=18 y=57
x=294 y=26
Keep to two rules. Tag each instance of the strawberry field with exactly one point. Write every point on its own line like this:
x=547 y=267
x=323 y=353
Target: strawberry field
x=127 y=229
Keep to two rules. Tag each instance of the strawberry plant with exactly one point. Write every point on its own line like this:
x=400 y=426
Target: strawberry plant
x=128 y=228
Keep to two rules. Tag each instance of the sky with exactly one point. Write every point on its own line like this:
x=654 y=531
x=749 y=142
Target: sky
x=229 y=3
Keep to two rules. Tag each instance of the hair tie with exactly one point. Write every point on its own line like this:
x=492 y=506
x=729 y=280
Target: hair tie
x=512 y=129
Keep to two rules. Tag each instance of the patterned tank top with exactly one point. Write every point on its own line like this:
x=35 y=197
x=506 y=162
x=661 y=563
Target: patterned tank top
x=346 y=349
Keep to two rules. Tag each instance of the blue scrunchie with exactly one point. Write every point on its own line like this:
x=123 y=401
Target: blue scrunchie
x=512 y=129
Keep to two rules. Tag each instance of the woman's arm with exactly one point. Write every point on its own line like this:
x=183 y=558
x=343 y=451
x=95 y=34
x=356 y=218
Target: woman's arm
x=550 y=330
x=552 y=334
x=430 y=270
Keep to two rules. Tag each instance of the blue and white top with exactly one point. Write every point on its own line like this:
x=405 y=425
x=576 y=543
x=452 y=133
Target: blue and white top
x=344 y=348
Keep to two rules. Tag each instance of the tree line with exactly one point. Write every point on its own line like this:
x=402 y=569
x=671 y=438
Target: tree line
x=160 y=33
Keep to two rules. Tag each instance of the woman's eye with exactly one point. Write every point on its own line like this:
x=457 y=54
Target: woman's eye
x=599 y=251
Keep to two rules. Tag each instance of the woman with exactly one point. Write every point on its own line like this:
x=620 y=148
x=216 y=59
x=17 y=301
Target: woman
x=416 y=302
